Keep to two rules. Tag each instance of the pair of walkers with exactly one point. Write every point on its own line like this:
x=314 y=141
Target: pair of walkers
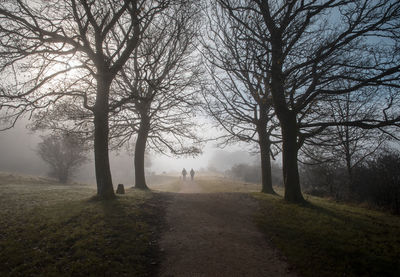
x=184 y=173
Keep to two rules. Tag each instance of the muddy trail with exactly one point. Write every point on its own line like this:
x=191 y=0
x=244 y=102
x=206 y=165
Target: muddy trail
x=213 y=234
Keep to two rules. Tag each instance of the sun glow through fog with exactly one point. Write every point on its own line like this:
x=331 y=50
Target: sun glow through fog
x=64 y=67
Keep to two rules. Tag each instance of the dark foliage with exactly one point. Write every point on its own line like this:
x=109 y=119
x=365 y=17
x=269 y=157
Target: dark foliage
x=252 y=173
x=376 y=181
x=63 y=153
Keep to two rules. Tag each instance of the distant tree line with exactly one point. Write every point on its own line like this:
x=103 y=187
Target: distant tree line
x=252 y=173
x=376 y=180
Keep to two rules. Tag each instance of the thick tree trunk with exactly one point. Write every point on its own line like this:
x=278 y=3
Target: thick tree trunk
x=102 y=163
x=266 y=175
x=288 y=123
x=289 y=161
x=140 y=148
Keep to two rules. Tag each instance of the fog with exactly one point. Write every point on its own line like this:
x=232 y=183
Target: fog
x=18 y=155
x=17 y=151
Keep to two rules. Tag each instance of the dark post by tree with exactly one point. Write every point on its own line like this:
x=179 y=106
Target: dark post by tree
x=59 y=37
x=64 y=153
x=239 y=98
x=318 y=49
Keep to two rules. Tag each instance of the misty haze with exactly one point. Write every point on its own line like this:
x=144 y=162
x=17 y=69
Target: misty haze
x=199 y=138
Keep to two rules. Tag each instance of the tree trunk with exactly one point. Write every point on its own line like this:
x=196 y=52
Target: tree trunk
x=348 y=158
x=140 y=148
x=102 y=163
x=288 y=123
x=63 y=177
x=349 y=168
x=289 y=161
x=266 y=175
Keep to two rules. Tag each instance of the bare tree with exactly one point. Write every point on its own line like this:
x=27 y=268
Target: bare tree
x=64 y=153
x=347 y=146
x=322 y=48
x=239 y=100
x=158 y=88
x=154 y=98
x=42 y=45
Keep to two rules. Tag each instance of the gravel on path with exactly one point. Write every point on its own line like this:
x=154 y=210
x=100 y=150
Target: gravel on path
x=213 y=234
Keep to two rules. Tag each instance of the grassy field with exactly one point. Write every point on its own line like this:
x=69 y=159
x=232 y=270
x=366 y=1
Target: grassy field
x=164 y=183
x=325 y=238
x=48 y=229
x=220 y=184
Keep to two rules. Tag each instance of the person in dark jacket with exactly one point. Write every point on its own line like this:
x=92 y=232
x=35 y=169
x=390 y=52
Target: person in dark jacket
x=184 y=173
x=192 y=174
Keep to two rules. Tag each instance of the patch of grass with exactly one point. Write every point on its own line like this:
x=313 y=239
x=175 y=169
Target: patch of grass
x=48 y=229
x=324 y=238
x=172 y=186
x=166 y=183
x=220 y=184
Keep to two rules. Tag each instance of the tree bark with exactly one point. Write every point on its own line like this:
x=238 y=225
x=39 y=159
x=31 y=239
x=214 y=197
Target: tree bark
x=102 y=163
x=140 y=148
x=349 y=168
x=266 y=175
x=348 y=158
x=288 y=123
x=289 y=161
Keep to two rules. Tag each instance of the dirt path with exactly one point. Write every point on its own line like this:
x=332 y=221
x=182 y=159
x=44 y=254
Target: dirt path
x=212 y=234
x=190 y=187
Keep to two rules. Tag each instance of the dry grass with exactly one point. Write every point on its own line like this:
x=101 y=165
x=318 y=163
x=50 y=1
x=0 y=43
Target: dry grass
x=221 y=184
x=164 y=183
x=48 y=229
x=325 y=238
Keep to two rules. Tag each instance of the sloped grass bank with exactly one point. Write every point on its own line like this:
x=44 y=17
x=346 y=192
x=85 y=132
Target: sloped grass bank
x=325 y=238
x=53 y=230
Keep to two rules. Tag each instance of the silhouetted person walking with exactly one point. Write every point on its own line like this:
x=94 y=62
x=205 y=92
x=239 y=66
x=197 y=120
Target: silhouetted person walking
x=191 y=174
x=184 y=174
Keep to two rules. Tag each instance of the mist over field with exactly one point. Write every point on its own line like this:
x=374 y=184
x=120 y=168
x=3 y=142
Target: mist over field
x=18 y=151
x=18 y=148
